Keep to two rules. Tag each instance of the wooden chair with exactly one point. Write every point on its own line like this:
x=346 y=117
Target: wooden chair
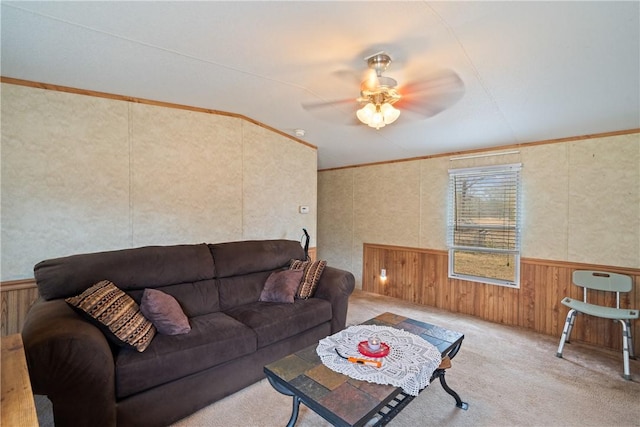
x=601 y=281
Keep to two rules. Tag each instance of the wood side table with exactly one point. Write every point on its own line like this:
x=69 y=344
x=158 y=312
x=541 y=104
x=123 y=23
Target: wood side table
x=17 y=404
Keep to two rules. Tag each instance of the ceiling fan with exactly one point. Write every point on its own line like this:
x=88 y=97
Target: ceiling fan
x=381 y=98
x=378 y=94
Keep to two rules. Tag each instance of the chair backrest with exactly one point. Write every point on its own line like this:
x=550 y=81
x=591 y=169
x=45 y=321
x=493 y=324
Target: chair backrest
x=602 y=281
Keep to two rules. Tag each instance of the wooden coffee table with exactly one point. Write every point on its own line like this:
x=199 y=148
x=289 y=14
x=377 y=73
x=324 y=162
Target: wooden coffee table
x=344 y=401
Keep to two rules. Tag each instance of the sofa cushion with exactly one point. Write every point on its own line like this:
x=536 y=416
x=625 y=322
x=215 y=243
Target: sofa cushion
x=214 y=339
x=164 y=312
x=274 y=322
x=310 y=277
x=252 y=256
x=281 y=286
x=116 y=314
x=139 y=268
x=241 y=290
x=195 y=298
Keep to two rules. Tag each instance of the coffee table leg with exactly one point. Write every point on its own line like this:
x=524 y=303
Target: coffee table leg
x=294 y=412
x=459 y=403
x=452 y=353
x=296 y=400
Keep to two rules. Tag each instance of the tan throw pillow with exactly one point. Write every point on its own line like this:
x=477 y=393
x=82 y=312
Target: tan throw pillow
x=312 y=270
x=164 y=312
x=116 y=314
x=281 y=286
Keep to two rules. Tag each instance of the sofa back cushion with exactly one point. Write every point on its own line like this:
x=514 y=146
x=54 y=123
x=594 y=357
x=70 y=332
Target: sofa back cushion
x=242 y=268
x=195 y=298
x=253 y=256
x=128 y=269
x=240 y=290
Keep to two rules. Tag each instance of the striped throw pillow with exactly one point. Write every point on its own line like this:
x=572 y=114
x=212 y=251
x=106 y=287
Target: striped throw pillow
x=312 y=270
x=116 y=314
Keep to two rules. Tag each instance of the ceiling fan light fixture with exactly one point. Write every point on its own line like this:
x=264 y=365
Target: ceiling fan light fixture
x=390 y=113
x=365 y=114
x=377 y=116
x=377 y=120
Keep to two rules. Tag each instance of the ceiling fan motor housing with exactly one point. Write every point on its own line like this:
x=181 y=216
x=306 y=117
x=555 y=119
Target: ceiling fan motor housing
x=384 y=89
x=379 y=62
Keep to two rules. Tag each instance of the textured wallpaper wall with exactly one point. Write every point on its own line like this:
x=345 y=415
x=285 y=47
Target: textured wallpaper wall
x=85 y=174
x=581 y=203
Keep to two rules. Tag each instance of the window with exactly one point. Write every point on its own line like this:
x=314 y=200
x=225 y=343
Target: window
x=483 y=227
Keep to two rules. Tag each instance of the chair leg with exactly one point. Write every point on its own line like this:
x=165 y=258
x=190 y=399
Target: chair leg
x=625 y=349
x=631 y=352
x=573 y=320
x=566 y=331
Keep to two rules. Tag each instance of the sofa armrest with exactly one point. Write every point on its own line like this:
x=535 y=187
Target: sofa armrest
x=71 y=362
x=335 y=286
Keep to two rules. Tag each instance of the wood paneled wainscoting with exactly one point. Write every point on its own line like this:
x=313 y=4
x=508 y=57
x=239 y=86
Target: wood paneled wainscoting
x=421 y=276
x=16 y=298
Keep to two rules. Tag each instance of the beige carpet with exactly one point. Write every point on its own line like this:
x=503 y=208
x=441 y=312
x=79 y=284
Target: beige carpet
x=509 y=377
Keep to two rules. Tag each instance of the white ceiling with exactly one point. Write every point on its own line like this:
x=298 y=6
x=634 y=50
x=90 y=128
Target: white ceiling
x=532 y=70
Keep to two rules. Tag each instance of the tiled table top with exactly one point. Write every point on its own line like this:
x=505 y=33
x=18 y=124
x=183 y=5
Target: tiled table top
x=341 y=400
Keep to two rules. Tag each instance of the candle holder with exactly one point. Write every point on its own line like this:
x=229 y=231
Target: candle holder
x=374 y=343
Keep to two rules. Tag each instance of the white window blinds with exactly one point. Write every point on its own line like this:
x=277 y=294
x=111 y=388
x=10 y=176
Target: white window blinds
x=484 y=212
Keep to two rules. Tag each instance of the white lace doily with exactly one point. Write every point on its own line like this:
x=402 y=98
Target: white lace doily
x=410 y=363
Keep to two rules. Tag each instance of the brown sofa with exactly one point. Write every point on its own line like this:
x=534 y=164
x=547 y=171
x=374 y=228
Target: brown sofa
x=92 y=382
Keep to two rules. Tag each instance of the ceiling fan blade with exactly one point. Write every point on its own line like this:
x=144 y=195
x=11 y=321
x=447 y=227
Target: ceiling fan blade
x=432 y=95
x=341 y=111
x=314 y=105
x=348 y=76
x=441 y=81
x=428 y=107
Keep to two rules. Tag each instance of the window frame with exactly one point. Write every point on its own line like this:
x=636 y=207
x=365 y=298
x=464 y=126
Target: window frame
x=513 y=245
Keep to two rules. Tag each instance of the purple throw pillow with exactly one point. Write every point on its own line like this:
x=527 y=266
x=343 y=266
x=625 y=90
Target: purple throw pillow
x=281 y=286
x=164 y=312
